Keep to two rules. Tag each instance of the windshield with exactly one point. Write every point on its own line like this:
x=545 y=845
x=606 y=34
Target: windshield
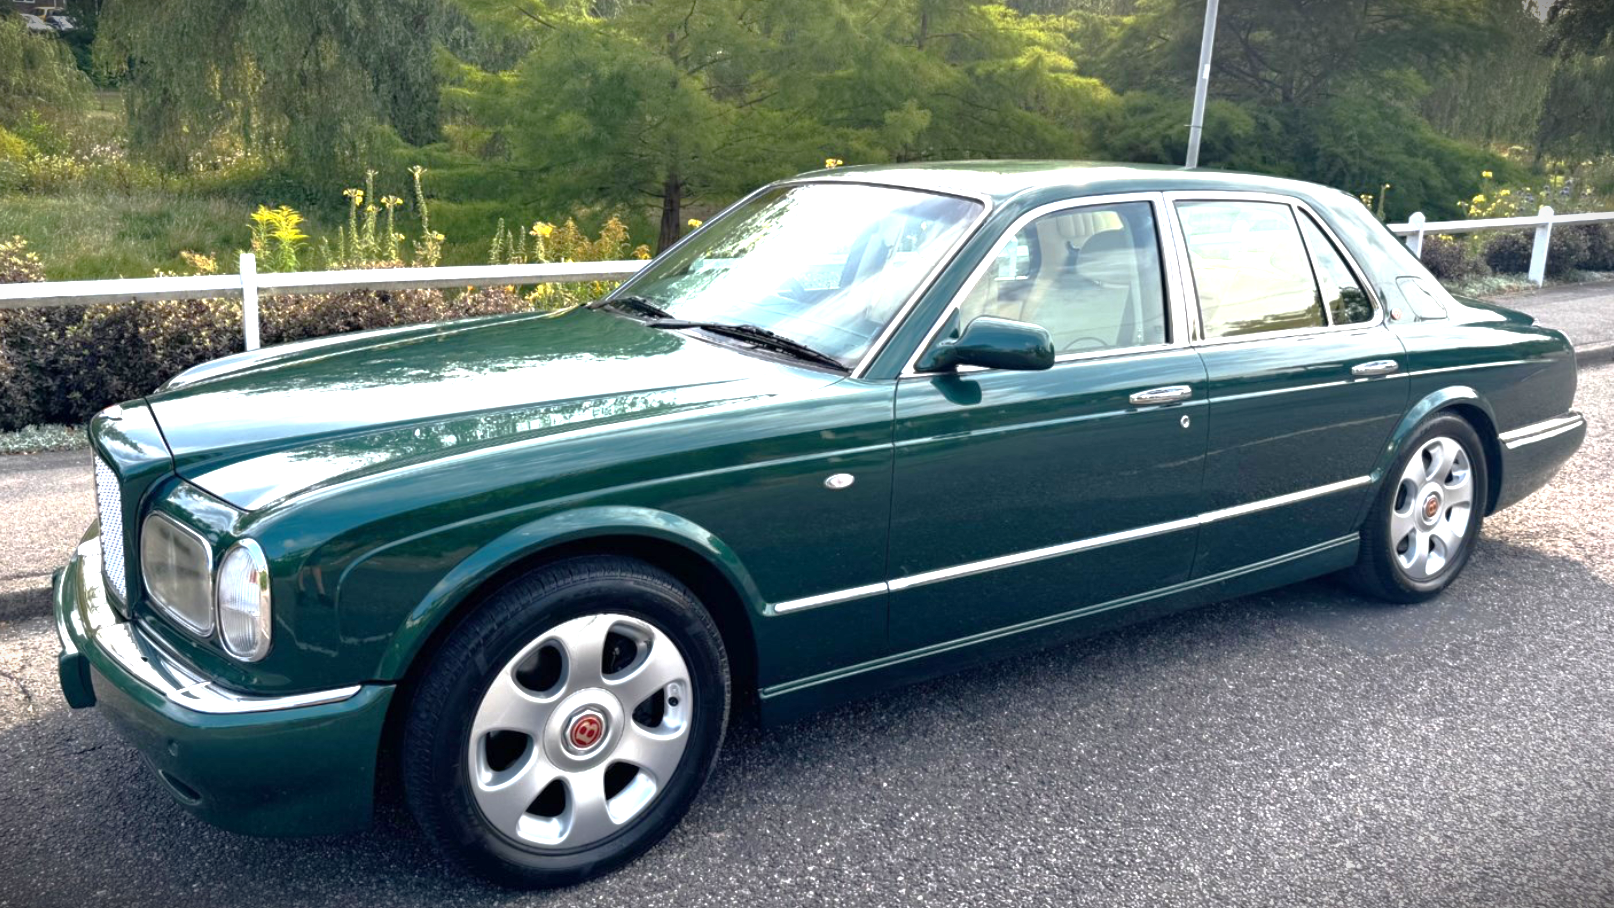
x=826 y=265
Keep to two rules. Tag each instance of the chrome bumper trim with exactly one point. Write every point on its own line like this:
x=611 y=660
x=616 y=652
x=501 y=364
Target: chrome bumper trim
x=183 y=687
x=1541 y=431
x=144 y=661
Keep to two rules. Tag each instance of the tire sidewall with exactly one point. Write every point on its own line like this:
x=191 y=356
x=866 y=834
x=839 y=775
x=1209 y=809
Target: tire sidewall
x=1458 y=430
x=507 y=623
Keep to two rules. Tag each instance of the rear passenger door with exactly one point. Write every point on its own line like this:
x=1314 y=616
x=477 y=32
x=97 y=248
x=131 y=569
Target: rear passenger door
x=1306 y=381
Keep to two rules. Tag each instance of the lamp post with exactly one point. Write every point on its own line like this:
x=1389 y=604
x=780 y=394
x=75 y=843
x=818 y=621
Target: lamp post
x=1196 y=126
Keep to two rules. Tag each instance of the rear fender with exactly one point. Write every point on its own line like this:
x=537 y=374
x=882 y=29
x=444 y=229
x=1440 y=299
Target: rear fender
x=1447 y=398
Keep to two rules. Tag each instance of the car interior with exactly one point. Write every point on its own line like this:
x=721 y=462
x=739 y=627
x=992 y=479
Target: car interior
x=1090 y=276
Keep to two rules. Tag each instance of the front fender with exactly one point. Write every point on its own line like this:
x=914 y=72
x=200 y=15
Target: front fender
x=547 y=532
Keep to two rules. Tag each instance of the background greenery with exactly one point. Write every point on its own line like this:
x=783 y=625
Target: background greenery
x=168 y=135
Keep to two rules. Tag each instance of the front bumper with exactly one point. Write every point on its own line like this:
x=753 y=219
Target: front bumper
x=296 y=765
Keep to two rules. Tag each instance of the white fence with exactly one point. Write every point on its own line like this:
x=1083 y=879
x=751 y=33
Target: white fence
x=1416 y=228
x=249 y=285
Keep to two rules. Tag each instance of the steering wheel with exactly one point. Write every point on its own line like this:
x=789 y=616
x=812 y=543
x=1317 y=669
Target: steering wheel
x=1094 y=341
x=794 y=289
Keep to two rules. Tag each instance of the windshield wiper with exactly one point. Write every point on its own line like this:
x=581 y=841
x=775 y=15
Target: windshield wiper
x=637 y=305
x=757 y=335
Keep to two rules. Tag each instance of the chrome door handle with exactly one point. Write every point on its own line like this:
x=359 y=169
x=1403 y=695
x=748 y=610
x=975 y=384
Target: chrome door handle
x=1376 y=367
x=1167 y=395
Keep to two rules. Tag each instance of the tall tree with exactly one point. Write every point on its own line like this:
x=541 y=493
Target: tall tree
x=1578 y=118
x=300 y=81
x=700 y=100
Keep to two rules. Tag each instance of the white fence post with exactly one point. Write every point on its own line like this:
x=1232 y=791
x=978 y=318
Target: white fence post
x=1538 y=255
x=1415 y=239
x=249 y=299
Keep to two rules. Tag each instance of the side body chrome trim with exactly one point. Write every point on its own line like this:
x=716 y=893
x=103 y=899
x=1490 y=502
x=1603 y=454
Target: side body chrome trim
x=806 y=602
x=1066 y=548
x=1541 y=431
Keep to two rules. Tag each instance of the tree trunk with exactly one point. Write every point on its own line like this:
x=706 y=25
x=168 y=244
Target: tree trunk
x=672 y=212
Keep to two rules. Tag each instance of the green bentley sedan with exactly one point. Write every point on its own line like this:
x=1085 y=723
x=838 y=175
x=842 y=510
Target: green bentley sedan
x=866 y=426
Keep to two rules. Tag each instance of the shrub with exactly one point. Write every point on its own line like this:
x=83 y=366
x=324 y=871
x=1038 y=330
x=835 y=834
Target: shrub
x=1450 y=259
x=63 y=364
x=1509 y=253
x=1599 y=245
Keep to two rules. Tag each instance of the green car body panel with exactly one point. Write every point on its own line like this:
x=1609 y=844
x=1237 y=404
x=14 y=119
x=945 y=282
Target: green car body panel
x=394 y=478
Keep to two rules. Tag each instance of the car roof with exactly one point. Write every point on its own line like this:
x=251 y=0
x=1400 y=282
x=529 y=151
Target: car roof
x=1002 y=180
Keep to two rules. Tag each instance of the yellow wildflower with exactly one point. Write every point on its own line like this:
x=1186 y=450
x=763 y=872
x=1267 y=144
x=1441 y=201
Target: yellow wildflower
x=357 y=195
x=1504 y=192
x=1479 y=199
x=833 y=162
x=695 y=222
x=1486 y=174
x=542 y=229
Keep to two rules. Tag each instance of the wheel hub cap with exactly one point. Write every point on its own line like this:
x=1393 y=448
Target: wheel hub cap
x=560 y=753
x=1433 y=508
x=585 y=731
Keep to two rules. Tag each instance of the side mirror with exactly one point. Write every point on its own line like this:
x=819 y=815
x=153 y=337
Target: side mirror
x=994 y=343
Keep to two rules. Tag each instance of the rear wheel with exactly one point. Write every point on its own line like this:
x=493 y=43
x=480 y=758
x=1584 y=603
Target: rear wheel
x=1427 y=518
x=567 y=725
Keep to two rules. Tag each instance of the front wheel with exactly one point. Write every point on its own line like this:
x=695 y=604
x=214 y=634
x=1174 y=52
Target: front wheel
x=567 y=725
x=1427 y=517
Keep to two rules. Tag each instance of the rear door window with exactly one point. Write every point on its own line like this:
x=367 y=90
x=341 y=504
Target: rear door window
x=1250 y=267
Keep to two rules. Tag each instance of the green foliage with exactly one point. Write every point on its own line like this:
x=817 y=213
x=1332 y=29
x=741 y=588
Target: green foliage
x=1509 y=253
x=1453 y=260
x=679 y=104
x=86 y=232
x=37 y=76
x=1493 y=94
x=277 y=237
x=299 y=82
x=1599 y=245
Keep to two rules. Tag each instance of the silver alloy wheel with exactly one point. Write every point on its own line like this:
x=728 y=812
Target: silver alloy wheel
x=1432 y=508
x=560 y=754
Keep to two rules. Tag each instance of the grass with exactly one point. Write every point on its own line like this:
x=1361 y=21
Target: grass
x=83 y=235
x=35 y=439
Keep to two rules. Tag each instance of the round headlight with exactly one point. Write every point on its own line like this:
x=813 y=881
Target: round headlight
x=243 y=596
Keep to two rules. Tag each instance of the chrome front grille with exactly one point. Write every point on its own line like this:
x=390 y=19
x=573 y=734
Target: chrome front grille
x=109 y=501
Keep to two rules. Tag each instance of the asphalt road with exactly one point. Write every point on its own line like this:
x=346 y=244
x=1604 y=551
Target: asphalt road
x=1303 y=747
x=1579 y=310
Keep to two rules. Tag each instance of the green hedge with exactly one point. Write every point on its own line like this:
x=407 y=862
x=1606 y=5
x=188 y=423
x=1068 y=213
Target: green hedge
x=63 y=364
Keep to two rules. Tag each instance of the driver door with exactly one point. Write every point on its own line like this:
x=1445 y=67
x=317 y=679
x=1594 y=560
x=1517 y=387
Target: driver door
x=1020 y=495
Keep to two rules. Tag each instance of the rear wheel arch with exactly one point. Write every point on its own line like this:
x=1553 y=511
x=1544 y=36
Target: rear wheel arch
x=1485 y=428
x=1457 y=400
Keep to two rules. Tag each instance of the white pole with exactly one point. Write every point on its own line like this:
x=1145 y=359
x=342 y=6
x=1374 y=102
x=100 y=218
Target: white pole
x=1415 y=240
x=1538 y=255
x=249 y=299
x=1196 y=126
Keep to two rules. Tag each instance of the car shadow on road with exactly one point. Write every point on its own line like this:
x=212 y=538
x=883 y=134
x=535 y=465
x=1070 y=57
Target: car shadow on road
x=85 y=816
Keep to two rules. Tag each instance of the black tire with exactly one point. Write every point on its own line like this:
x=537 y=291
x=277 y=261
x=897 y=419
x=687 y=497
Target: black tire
x=1378 y=571
x=437 y=729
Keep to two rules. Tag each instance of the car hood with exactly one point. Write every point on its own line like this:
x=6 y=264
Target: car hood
x=257 y=428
